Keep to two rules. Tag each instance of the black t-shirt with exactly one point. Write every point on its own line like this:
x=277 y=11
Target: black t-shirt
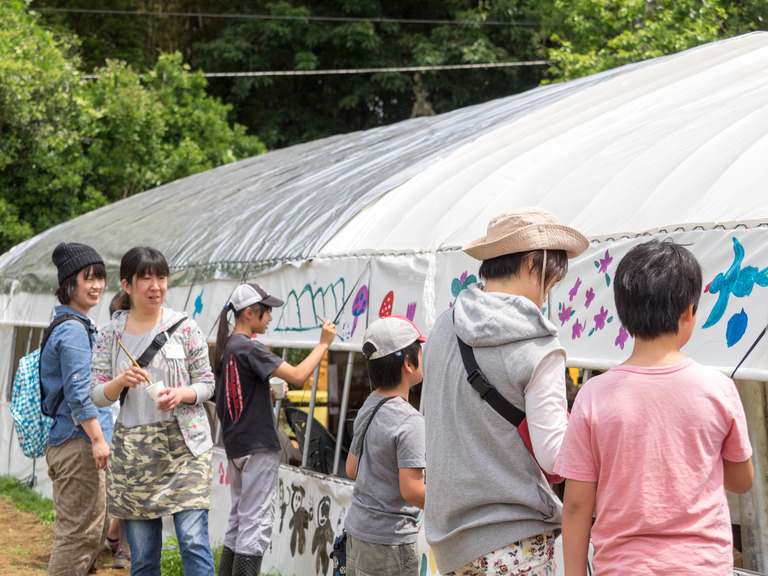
x=243 y=397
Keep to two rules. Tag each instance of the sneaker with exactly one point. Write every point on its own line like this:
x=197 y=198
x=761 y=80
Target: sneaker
x=122 y=559
x=111 y=545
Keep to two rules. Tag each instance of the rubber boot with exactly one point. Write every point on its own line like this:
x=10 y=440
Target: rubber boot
x=226 y=562
x=246 y=565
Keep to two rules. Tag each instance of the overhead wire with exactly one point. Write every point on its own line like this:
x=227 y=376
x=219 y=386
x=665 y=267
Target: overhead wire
x=347 y=71
x=242 y=16
x=261 y=73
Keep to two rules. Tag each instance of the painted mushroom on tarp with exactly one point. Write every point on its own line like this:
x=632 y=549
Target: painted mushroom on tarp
x=360 y=305
x=386 y=305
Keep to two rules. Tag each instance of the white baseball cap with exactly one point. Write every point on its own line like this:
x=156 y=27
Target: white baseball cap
x=389 y=335
x=249 y=294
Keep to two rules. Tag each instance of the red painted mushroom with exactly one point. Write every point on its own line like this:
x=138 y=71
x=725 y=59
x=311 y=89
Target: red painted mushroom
x=386 y=305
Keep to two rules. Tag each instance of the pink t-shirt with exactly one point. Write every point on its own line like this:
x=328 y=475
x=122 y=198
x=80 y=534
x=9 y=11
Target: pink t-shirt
x=653 y=439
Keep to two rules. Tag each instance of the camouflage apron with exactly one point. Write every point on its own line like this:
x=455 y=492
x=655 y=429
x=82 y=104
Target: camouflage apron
x=151 y=473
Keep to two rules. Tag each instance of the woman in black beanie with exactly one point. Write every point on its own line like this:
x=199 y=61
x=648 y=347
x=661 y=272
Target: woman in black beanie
x=78 y=444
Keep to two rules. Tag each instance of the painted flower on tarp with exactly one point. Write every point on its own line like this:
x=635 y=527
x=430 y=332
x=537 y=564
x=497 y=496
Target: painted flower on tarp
x=578 y=330
x=565 y=314
x=622 y=338
x=575 y=290
x=461 y=283
x=589 y=297
x=601 y=319
x=602 y=266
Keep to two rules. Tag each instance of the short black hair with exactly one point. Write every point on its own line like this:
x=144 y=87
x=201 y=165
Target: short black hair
x=385 y=373
x=137 y=262
x=654 y=284
x=509 y=264
x=67 y=289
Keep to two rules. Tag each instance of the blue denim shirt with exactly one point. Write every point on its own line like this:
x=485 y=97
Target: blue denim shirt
x=66 y=362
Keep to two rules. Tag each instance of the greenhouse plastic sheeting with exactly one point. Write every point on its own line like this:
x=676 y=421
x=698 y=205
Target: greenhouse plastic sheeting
x=371 y=223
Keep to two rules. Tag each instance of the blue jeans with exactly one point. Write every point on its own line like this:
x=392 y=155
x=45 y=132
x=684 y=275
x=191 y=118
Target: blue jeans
x=145 y=540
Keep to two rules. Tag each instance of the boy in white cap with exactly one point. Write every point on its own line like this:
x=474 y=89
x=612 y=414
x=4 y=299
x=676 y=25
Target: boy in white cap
x=490 y=509
x=387 y=456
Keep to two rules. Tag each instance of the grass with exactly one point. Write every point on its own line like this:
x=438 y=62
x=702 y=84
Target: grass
x=27 y=499
x=24 y=498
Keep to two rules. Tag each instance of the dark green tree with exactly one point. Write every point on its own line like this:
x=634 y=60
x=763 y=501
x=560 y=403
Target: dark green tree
x=288 y=109
x=69 y=145
x=356 y=34
x=41 y=156
x=603 y=35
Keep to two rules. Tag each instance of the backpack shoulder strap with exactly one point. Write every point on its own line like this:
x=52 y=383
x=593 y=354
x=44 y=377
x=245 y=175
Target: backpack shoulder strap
x=47 y=334
x=60 y=320
x=488 y=391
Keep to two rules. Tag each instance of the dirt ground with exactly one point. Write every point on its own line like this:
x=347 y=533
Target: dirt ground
x=25 y=544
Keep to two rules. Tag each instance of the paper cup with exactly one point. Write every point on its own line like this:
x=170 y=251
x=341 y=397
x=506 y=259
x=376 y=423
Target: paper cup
x=278 y=385
x=153 y=389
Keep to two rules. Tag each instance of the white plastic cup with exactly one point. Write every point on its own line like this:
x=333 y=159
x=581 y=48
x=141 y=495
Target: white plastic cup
x=278 y=387
x=154 y=389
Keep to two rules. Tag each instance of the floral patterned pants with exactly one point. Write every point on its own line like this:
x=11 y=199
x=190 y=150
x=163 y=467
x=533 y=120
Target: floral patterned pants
x=532 y=557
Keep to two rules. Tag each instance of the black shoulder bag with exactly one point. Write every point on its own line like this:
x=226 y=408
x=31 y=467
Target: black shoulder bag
x=148 y=354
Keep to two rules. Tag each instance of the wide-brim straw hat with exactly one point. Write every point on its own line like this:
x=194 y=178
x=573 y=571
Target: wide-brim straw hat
x=524 y=229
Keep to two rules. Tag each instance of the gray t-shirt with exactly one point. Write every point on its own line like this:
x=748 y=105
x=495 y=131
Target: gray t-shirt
x=395 y=439
x=142 y=410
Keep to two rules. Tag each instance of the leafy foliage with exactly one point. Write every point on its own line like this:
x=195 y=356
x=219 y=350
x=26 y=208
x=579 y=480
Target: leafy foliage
x=69 y=145
x=603 y=35
x=286 y=110
x=291 y=109
x=41 y=158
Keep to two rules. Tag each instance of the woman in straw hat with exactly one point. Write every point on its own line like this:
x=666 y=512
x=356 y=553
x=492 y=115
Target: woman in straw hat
x=489 y=506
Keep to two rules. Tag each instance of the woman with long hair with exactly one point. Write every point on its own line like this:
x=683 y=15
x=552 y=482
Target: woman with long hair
x=161 y=449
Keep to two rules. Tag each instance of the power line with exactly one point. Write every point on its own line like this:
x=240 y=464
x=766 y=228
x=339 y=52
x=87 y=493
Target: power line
x=373 y=70
x=362 y=70
x=376 y=20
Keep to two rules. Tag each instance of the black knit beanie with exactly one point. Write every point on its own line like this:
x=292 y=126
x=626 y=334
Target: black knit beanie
x=72 y=257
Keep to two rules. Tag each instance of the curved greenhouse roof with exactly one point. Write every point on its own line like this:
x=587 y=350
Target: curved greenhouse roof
x=674 y=145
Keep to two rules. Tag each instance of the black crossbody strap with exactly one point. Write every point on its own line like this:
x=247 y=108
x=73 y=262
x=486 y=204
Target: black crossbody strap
x=47 y=334
x=157 y=343
x=488 y=391
x=365 y=431
x=146 y=357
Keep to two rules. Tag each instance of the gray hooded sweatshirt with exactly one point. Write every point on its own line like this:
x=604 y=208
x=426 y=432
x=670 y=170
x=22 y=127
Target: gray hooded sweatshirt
x=484 y=489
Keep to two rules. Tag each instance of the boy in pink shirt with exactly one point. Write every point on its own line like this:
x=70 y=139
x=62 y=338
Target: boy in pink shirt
x=652 y=443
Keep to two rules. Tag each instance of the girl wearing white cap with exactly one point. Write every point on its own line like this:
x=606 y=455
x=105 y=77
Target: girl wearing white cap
x=243 y=367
